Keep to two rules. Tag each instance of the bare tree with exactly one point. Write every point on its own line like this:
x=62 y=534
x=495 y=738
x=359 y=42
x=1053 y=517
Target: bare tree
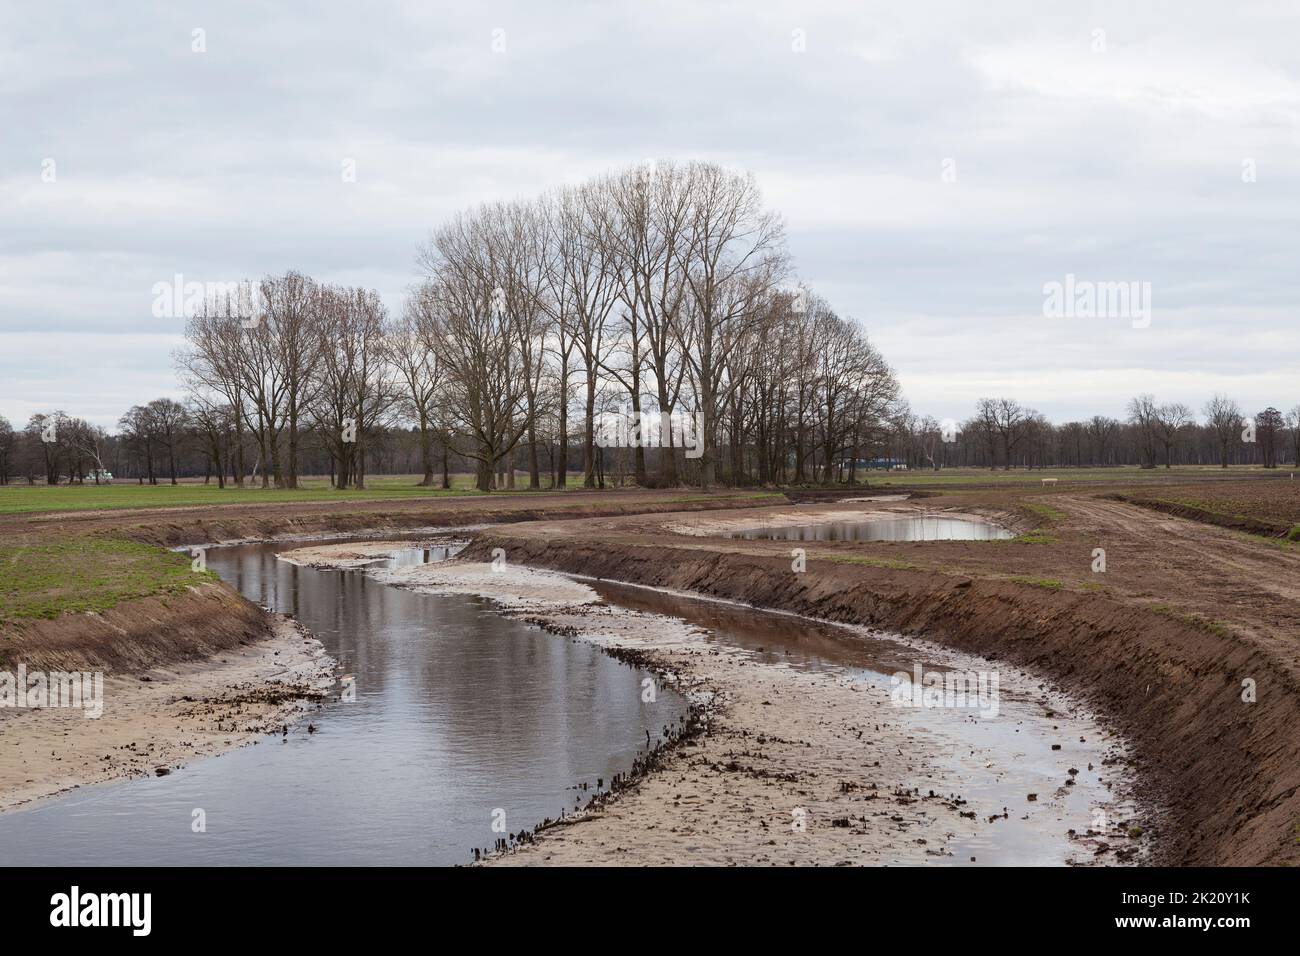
x=169 y=421
x=513 y=237
x=475 y=341
x=213 y=423
x=731 y=260
x=586 y=257
x=357 y=392
x=1143 y=415
x=1293 y=419
x=1009 y=421
x=1171 y=421
x=291 y=303
x=87 y=440
x=1223 y=416
x=8 y=441
x=1268 y=424
x=258 y=365
x=140 y=432
x=411 y=351
x=654 y=211
x=1101 y=430
x=211 y=367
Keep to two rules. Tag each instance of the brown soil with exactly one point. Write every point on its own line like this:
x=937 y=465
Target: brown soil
x=1272 y=498
x=137 y=635
x=1260 y=526
x=1160 y=643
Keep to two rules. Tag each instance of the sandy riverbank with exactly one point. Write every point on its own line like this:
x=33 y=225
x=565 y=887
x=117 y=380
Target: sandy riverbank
x=351 y=555
x=1164 y=644
x=158 y=720
x=795 y=766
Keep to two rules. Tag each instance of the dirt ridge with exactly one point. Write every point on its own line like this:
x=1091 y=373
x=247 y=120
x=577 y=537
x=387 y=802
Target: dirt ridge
x=138 y=634
x=207 y=528
x=1269 y=529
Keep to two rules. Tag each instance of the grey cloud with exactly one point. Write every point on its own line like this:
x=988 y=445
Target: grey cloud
x=1122 y=165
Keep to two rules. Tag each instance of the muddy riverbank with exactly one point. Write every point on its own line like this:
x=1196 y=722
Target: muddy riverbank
x=1223 y=768
x=808 y=763
x=164 y=716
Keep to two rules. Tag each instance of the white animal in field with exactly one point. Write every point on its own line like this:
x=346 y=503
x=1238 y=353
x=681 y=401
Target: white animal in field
x=1049 y=481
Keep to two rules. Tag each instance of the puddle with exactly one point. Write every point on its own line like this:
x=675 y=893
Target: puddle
x=926 y=528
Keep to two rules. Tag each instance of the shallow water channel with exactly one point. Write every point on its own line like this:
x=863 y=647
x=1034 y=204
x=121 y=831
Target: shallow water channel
x=991 y=760
x=461 y=712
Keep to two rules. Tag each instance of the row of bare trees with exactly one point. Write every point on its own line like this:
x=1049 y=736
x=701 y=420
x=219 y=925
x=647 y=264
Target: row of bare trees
x=295 y=356
x=660 y=290
x=52 y=445
x=1004 y=433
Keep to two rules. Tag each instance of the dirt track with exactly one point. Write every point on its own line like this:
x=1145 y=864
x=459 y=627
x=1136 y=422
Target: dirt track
x=1250 y=586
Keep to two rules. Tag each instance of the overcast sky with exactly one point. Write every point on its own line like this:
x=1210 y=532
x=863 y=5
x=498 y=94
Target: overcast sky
x=1111 y=141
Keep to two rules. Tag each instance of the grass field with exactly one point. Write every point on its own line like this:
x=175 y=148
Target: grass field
x=27 y=499
x=87 y=574
x=23 y=499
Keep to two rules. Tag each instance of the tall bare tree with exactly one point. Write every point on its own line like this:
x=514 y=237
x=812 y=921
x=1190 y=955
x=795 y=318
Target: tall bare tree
x=732 y=259
x=1223 y=416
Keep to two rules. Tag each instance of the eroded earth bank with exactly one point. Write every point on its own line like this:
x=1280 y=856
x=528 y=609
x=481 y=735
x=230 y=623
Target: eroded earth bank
x=1209 y=706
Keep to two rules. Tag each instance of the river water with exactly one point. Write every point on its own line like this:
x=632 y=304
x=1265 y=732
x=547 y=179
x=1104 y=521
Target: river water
x=460 y=714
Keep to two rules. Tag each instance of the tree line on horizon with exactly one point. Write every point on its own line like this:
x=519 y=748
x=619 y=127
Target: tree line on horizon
x=1003 y=433
x=663 y=288
x=164 y=441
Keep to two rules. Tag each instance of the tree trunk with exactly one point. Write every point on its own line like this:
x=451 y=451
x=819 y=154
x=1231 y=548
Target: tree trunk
x=426 y=450
x=562 y=456
x=638 y=453
x=667 y=461
x=292 y=481
x=589 y=436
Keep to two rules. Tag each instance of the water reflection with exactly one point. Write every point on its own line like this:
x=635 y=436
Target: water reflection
x=458 y=712
x=992 y=762
x=926 y=528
